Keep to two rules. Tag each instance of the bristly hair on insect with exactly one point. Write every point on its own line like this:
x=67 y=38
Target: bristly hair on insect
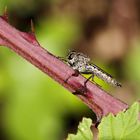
x=81 y=63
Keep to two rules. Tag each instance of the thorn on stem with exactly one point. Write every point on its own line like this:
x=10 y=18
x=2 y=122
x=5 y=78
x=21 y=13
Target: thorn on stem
x=32 y=27
x=5 y=14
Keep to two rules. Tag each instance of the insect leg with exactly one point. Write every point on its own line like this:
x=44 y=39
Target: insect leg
x=92 y=76
x=76 y=73
x=83 y=89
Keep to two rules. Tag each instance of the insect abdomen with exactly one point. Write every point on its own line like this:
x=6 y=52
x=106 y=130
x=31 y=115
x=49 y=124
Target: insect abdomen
x=104 y=76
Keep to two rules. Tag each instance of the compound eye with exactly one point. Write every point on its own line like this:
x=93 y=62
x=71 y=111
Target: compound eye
x=71 y=56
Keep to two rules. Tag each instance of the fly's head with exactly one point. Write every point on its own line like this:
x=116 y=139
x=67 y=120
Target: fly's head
x=78 y=61
x=72 y=58
x=75 y=58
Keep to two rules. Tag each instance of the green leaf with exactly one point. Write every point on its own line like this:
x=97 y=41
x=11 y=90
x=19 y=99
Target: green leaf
x=84 y=131
x=125 y=126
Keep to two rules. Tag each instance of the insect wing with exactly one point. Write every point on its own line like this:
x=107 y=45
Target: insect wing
x=99 y=69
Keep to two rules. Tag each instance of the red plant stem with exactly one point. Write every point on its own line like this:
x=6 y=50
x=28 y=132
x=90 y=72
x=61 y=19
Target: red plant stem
x=98 y=100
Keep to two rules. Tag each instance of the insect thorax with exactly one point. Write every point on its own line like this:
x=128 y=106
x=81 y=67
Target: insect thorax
x=78 y=61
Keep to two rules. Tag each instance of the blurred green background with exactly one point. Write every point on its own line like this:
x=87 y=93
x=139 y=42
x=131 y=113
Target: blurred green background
x=32 y=105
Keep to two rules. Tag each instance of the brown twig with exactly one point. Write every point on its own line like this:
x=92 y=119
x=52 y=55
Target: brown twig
x=26 y=46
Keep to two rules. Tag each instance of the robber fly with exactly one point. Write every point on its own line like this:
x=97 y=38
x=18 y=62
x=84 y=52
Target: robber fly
x=81 y=63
